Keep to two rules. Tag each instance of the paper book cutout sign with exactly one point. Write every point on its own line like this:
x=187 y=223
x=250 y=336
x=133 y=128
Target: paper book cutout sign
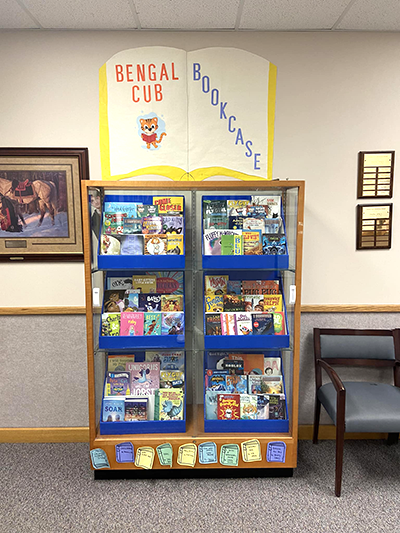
x=99 y=459
x=208 y=453
x=145 y=457
x=229 y=455
x=124 y=452
x=251 y=451
x=165 y=454
x=187 y=115
x=187 y=455
x=276 y=452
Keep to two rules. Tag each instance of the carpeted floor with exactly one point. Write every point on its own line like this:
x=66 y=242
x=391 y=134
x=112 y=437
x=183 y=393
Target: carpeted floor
x=49 y=488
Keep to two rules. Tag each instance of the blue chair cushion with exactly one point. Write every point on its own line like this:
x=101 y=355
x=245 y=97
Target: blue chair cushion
x=370 y=407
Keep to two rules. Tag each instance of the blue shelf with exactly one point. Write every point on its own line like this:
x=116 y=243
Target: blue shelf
x=142 y=341
x=147 y=426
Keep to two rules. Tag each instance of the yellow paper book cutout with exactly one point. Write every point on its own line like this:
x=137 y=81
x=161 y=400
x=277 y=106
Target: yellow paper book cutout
x=187 y=455
x=251 y=451
x=144 y=457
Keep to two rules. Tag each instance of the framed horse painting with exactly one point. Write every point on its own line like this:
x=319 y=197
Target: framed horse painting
x=40 y=203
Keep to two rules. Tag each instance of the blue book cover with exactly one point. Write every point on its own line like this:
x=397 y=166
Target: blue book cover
x=236 y=383
x=173 y=324
x=131 y=300
x=234 y=286
x=216 y=380
x=149 y=303
x=131 y=244
x=263 y=324
x=113 y=410
x=169 y=360
x=129 y=208
x=211 y=405
x=152 y=323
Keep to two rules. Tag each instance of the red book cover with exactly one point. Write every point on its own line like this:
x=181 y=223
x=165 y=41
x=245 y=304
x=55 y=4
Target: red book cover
x=228 y=407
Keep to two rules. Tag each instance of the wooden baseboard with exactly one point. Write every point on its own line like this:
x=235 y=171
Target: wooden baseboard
x=15 y=311
x=350 y=308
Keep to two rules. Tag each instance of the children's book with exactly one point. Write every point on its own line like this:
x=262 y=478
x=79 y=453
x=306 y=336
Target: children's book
x=254 y=303
x=173 y=324
x=132 y=245
x=211 y=207
x=131 y=300
x=118 y=383
x=117 y=363
x=110 y=324
x=254 y=224
x=274 y=244
x=216 y=221
x=145 y=284
x=213 y=324
x=272 y=366
x=213 y=303
x=152 y=324
x=236 y=222
x=168 y=360
x=234 y=286
x=135 y=409
x=216 y=360
x=248 y=406
x=119 y=283
x=169 y=204
x=215 y=380
x=212 y=239
x=253 y=362
x=169 y=282
x=109 y=245
x=172 y=224
x=273 y=303
x=231 y=245
x=272 y=384
x=272 y=202
x=257 y=211
x=216 y=284
x=174 y=244
x=252 y=242
x=129 y=209
x=279 y=323
x=114 y=301
x=169 y=404
x=234 y=366
x=236 y=383
x=233 y=303
x=113 y=409
x=145 y=378
x=171 y=303
x=149 y=303
x=277 y=407
x=274 y=225
x=211 y=399
x=172 y=379
x=260 y=286
x=131 y=324
x=263 y=324
x=151 y=225
x=147 y=211
x=155 y=244
x=235 y=206
x=255 y=384
x=262 y=406
x=113 y=223
x=244 y=323
x=228 y=407
x=132 y=226
x=228 y=323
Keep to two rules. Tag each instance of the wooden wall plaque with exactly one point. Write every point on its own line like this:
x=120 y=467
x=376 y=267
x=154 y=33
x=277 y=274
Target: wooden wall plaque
x=375 y=174
x=374 y=227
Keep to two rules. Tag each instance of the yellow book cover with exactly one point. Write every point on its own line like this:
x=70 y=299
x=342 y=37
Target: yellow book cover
x=168 y=204
x=174 y=244
x=273 y=303
x=146 y=284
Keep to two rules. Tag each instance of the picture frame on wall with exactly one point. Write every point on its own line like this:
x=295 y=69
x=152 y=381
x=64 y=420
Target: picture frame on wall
x=40 y=203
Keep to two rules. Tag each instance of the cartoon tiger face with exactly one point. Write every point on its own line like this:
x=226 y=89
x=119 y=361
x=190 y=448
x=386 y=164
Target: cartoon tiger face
x=149 y=125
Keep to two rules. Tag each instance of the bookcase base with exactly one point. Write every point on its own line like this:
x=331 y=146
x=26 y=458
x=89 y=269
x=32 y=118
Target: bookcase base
x=195 y=473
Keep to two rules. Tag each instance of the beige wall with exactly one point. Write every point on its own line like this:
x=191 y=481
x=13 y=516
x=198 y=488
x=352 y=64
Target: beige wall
x=337 y=94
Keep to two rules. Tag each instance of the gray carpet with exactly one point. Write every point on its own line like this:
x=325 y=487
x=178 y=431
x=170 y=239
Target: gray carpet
x=49 y=488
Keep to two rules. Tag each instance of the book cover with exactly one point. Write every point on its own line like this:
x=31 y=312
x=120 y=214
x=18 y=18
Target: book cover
x=213 y=324
x=147 y=211
x=234 y=366
x=273 y=303
x=253 y=363
x=272 y=366
x=214 y=303
x=113 y=223
x=215 y=380
x=114 y=301
x=236 y=384
x=244 y=323
x=173 y=324
x=145 y=284
x=172 y=224
x=151 y=225
x=233 y=302
x=211 y=399
x=256 y=211
x=228 y=407
x=117 y=363
x=171 y=303
x=135 y=409
x=253 y=303
x=211 y=207
x=212 y=239
x=216 y=360
x=235 y=206
x=132 y=226
x=174 y=244
x=279 y=323
x=277 y=407
x=216 y=221
x=260 y=286
x=110 y=324
x=274 y=225
x=216 y=284
x=231 y=245
x=118 y=383
x=169 y=282
x=131 y=300
x=119 y=283
x=131 y=324
x=168 y=204
x=273 y=244
x=129 y=209
x=236 y=222
x=169 y=360
x=252 y=242
x=132 y=245
x=149 y=303
x=169 y=404
x=113 y=409
x=254 y=224
x=228 y=323
x=248 y=406
x=272 y=202
x=262 y=406
x=155 y=244
x=255 y=384
x=152 y=324
x=263 y=324
x=234 y=286
x=145 y=378
x=172 y=379
x=272 y=384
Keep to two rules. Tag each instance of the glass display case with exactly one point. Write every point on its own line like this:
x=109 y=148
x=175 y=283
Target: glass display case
x=193 y=324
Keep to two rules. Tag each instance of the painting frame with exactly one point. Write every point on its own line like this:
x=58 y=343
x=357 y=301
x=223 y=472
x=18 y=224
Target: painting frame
x=50 y=213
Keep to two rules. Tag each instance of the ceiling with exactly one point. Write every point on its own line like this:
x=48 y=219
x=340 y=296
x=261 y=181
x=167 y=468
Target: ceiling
x=202 y=15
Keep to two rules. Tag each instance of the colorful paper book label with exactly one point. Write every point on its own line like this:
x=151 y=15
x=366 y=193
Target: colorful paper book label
x=276 y=452
x=208 y=453
x=251 y=451
x=187 y=455
x=165 y=454
x=144 y=457
x=99 y=459
x=124 y=452
x=229 y=455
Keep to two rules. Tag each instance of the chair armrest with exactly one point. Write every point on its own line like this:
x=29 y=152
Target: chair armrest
x=337 y=382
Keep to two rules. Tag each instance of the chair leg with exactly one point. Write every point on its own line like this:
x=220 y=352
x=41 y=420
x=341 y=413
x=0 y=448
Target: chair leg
x=393 y=438
x=339 y=458
x=317 y=414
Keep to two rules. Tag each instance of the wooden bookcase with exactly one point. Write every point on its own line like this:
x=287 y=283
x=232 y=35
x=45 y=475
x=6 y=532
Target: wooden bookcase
x=292 y=196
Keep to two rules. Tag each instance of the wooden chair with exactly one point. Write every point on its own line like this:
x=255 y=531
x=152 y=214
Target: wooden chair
x=357 y=406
